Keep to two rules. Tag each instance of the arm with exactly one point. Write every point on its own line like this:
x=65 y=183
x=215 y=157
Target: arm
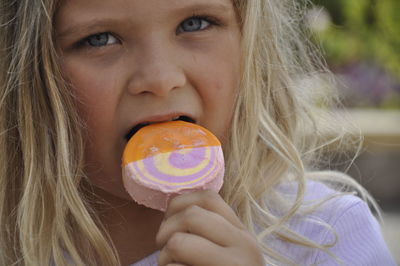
x=360 y=240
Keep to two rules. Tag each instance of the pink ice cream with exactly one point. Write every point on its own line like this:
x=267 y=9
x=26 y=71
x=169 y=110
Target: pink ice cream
x=167 y=159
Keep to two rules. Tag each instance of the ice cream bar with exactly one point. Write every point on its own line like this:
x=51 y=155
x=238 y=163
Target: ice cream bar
x=163 y=160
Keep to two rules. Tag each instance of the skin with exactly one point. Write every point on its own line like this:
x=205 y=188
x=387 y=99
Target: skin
x=126 y=67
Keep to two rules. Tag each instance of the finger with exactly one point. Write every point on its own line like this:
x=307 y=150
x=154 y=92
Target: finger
x=189 y=249
x=206 y=199
x=201 y=222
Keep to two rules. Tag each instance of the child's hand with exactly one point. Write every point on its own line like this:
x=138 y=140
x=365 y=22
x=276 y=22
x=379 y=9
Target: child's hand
x=201 y=229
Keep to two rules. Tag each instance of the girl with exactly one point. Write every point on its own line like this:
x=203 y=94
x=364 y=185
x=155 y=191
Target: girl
x=78 y=75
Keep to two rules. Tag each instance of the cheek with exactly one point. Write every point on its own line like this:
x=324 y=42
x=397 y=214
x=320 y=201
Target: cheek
x=97 y=102
x=97 y=98
x=223 y=101
x=219 y=93
x=96 y=94
x=223 y=72
x=88 y=83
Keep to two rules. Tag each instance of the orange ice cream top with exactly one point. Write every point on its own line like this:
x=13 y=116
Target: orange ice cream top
x=166 y=137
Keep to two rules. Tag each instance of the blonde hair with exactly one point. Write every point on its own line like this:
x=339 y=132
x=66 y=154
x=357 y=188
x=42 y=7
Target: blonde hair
x=43 y=212
x=277 y=130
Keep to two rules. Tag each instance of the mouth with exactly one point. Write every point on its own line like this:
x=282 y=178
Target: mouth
x=136 y=128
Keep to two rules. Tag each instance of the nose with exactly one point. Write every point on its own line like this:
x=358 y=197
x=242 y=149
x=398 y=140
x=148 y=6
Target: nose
x=156 y=71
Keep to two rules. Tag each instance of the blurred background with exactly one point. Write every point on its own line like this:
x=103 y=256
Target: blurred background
x=360 y=40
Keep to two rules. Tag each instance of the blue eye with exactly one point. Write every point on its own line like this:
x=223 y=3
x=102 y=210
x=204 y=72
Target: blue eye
x=194 y=24
x=100 y=39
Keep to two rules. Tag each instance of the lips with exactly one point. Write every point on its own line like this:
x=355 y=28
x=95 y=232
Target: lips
x=154 y=120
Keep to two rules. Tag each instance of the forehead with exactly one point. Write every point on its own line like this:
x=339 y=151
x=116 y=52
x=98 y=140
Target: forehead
x=134 y=11
x=70 y=7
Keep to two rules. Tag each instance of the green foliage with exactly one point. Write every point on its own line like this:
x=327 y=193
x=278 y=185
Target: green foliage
x=363 y=30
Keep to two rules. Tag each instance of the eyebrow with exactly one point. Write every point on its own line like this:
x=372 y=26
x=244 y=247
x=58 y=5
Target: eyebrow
x=90 y=25
x=87 y=26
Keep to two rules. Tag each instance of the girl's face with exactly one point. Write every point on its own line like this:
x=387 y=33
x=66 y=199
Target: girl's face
x=137 y=61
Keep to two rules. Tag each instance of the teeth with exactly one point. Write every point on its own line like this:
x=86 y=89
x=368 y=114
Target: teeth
x=176 y=118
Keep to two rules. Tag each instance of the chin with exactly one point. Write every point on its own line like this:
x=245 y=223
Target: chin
x=109 y=191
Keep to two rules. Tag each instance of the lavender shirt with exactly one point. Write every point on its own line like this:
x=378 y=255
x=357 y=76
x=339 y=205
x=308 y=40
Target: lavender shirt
x=359 y=242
